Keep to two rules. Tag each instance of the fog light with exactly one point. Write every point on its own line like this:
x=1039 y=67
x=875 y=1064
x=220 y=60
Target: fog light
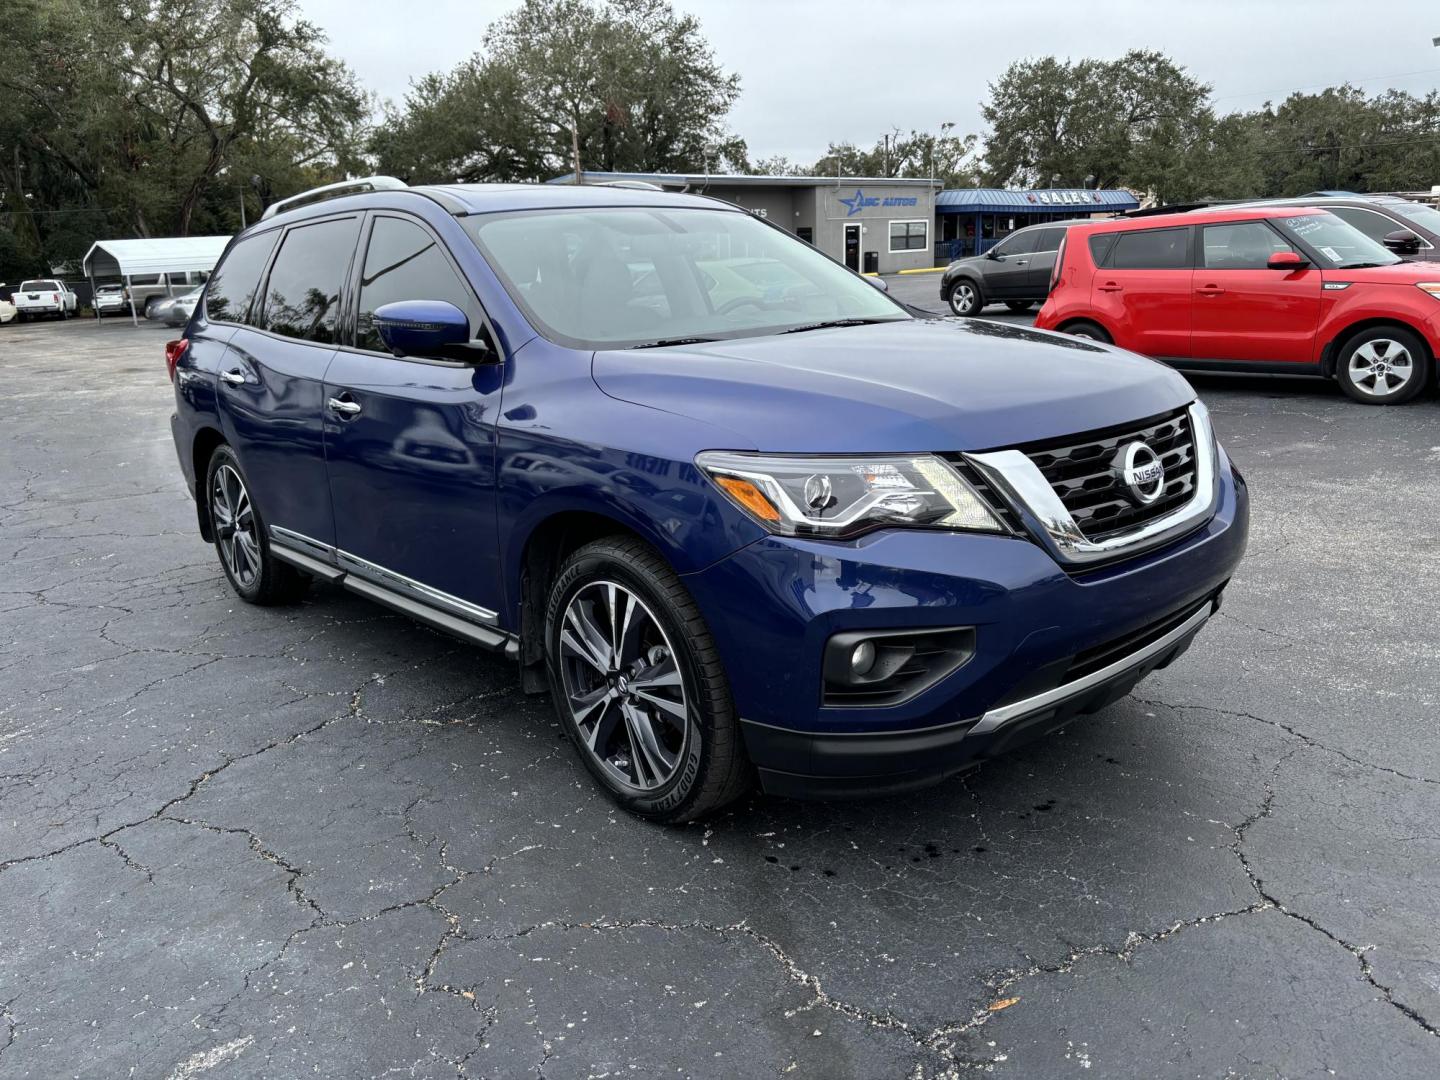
x=863 y=658
x=887 y=667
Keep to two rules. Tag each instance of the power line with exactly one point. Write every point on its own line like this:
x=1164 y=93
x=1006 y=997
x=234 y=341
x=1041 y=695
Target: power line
x=1324 y=86
x=72 y=210
x=1350 y=146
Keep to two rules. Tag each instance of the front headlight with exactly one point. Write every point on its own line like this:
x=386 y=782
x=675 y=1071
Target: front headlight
x=1432 y=287
x=840 y=497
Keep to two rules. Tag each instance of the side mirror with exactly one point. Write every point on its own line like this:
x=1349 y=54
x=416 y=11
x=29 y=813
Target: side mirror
x=991 y=253
x=879 y=283
x=1402 y=242
x=1287 y=260
x=432 y=330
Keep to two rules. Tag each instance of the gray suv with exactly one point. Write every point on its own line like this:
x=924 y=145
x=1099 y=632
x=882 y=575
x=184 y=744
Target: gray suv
x=1407 y=228
x=1015 y=272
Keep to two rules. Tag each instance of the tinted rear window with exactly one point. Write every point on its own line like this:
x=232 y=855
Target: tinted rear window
x=1152 y=249
x=1100 y=245
x=234 y=283
x=1050 y=239
x=302 y=296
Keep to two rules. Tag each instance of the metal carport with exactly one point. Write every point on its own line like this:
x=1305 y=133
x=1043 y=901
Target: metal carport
x=163 y=255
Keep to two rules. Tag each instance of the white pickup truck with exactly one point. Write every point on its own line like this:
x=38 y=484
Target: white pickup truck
x=44 y=296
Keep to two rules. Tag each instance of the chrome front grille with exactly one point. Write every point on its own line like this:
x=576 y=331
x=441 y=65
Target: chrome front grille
x=1071 y=493
x=1083 y=473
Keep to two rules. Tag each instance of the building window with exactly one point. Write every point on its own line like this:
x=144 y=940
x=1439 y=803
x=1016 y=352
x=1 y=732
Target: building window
x=909 y=235
x=806 y=233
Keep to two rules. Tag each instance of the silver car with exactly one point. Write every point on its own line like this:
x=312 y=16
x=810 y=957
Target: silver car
x=176 y=312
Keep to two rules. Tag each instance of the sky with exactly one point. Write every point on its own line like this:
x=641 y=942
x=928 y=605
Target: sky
x=816 y=71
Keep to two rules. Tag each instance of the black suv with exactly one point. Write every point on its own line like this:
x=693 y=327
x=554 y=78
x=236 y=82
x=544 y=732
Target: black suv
x=1409 y=229
x=1015 y=272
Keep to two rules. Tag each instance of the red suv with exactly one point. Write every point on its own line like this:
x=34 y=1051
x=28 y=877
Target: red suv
x=1289 y=290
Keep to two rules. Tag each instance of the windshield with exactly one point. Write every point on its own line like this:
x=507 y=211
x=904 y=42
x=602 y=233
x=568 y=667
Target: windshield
x=618 y=277
x=1427 y=217
x=39 y=286
x=1339 y=243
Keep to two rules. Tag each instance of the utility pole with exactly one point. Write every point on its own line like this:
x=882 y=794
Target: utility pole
x=575 y=147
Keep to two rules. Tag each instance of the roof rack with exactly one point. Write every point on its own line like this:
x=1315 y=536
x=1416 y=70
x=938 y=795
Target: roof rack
x=334 y=191
x=635 y=185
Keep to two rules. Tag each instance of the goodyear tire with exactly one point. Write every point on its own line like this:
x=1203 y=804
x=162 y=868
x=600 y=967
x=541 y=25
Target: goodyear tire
x=638 y=684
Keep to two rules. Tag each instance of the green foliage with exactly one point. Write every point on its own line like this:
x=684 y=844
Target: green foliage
x=1137 y=121
x=945 y=156
x=151 y=117
x=1144 y=123
x=627 y=85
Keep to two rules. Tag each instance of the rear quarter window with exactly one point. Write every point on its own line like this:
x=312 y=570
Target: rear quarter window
x=1100 y=247
x=233 y=285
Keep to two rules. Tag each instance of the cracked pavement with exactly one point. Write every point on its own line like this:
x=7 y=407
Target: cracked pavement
x=326 y=841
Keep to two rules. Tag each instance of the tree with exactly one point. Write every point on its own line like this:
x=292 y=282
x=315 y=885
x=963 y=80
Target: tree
x=622 y=85
x=944 y=155
x=150 y=117
x=1135 y=121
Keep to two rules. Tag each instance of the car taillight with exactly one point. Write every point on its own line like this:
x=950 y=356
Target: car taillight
x=174 y=350
x=1055 y=270
x=55 y=297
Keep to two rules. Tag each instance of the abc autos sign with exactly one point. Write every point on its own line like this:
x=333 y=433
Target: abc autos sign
x=860 y=201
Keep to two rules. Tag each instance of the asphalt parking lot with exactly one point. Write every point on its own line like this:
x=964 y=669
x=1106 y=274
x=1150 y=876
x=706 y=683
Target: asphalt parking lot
x=325 y=841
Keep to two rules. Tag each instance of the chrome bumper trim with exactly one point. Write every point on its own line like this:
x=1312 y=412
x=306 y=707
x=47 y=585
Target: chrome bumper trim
x=1018 y=478
x=1004 y=714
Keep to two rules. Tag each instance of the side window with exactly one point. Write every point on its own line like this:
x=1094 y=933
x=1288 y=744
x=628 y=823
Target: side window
x=1243 y=245
x=1049 y=240
x=302 y=297
x=1152 y=249
x=234 y=282
x=1375 y=226
x=403 y=262
x=1022 y=243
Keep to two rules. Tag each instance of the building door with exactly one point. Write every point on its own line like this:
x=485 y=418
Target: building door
x=852 y=247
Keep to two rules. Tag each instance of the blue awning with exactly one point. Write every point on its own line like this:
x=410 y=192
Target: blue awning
x=1038 y=201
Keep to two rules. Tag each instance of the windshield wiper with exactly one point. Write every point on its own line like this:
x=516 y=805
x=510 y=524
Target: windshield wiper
x=673 y=341
x=1361 y=265
x=834 y=322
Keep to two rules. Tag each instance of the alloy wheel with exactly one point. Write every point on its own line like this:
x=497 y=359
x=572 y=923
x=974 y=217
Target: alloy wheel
x=234 y=520
x=963 y=298
x=623 y=685
x=1381 y=366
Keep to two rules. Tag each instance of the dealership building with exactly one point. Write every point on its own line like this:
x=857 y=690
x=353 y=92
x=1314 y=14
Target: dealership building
x=884 y=225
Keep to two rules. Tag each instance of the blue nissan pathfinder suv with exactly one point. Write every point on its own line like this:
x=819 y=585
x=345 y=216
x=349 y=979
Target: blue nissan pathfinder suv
x=746 y=517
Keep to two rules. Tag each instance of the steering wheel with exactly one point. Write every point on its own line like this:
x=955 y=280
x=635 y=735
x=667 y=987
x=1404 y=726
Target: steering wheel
x=739 y=301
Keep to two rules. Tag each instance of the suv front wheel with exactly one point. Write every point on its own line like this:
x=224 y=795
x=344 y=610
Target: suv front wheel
x=638 y=684
x=966 y=298
x=1386 y=365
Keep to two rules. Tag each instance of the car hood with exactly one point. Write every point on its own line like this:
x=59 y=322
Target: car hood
x=1401 y=273
x=901 y=386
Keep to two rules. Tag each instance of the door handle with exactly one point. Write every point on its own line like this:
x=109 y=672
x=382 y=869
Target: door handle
x=343 y=407
x=235 y=377
x=1211 y=290
x=1021 y=262
x=1110 y=286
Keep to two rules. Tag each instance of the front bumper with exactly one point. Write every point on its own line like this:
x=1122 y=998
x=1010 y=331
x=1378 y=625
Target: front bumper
x=772 y=606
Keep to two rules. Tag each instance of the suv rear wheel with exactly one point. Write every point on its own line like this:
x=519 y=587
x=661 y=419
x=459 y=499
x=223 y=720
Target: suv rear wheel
x=1386 y=365
x=966 y=298
x=240 y=537
x=638 y=684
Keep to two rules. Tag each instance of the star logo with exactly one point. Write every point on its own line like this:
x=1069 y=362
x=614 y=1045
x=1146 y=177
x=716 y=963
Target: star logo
x=856 y=203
